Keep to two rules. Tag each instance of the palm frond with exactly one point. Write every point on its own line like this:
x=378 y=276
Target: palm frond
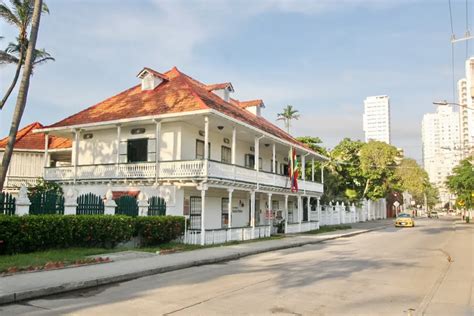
x=7 y=15
x=6 y=58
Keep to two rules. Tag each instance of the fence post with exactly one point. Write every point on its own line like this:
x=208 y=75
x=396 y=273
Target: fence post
x=342 y=213
x=142 y=204
x=109 y=204
x=22 y=204
x=70 y=204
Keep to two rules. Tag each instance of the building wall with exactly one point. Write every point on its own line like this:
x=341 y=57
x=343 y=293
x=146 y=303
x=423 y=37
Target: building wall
x=376 y=118
x=440 y=136
x=25 y=164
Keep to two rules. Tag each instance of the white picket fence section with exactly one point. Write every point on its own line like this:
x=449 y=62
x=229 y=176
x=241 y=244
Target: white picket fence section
x=220 y=236
x=293 y=228
x=339 y=213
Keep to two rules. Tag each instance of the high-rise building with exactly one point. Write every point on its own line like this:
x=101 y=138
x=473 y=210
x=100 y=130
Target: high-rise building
x=466 y=110
x=376 y=118
x=440 y=134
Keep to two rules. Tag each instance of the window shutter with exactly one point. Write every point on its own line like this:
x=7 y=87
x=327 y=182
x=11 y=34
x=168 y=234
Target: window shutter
x=123 y=152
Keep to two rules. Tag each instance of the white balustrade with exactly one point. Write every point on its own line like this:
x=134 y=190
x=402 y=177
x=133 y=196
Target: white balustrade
x=176 y=169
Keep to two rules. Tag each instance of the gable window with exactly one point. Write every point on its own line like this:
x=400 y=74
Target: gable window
x=200 y=149
x=137 y=150
x=226 y=154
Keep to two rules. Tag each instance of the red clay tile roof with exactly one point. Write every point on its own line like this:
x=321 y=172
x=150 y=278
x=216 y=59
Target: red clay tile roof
x=246 y=104
x=25 y=139
x=180 y=93
x=218 y=86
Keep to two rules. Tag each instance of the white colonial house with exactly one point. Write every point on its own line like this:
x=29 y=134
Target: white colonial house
x=151 y=139
x=28 y=158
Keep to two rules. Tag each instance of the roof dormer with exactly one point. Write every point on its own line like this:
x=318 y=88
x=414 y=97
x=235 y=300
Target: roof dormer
x=253 y=106
x=151 y=78
x=222 y=90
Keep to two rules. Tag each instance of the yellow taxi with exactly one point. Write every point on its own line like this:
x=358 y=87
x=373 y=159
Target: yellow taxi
x=404 y=220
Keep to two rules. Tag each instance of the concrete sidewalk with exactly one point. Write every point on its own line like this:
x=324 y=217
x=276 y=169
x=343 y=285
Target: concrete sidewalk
x=453 y=293
x=32 y=285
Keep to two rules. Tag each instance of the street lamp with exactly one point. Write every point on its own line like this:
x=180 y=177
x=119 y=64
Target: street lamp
x=444 y=102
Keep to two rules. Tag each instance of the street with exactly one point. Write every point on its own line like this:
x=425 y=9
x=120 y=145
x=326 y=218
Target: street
x=387 y=272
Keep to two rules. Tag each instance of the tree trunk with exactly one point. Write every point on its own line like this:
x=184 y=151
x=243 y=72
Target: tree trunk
x=15 y=80
x=366 y=189
x=22 y=92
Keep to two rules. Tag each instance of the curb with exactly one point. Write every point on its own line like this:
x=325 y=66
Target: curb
x=73 y=286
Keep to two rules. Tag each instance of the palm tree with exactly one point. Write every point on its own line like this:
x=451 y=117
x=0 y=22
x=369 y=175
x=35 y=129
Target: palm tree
x=288 y=114
x=23 y=89
x=19 y=14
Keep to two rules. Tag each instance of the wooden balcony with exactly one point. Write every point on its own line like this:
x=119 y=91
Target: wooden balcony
x=174 y=170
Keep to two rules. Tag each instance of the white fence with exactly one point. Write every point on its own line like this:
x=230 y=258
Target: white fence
x=336 y=214
x=220 y=236
x=293 y=228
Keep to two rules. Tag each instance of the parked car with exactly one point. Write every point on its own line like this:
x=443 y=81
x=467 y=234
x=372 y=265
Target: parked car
x=433 y=214
x=404 y=220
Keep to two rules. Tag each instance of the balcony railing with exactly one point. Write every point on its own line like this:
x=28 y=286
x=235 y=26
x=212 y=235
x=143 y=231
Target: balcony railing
x=174 y=170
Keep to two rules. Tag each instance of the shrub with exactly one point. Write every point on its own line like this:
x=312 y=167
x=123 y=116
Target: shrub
x=41 y=232
x=154 y=230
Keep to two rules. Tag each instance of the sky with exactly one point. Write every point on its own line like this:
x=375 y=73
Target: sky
x=323 y=57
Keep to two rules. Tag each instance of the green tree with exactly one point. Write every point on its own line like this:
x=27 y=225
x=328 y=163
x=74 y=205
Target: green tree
x=377 y=163
x=412 y=179
x=22 y=91
x=432 y=195
x=345 y=161
x=289 y=113
x=20 y=15
x=461 y=183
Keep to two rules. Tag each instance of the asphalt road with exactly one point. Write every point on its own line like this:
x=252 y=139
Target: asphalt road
x=386 y=272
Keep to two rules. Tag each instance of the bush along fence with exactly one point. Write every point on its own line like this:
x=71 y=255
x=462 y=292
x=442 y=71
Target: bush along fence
x=85 y=204
x=21 y=234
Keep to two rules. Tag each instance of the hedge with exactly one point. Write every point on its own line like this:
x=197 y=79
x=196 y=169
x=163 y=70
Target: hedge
x=41 y=232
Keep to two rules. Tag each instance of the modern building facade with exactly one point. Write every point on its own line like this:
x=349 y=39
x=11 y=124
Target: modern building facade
x=208 y=156
x=466 y=110
x=440 y=134
x=27 y=162
x=376 y=118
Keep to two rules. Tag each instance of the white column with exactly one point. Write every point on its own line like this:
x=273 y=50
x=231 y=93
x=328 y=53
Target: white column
x=274 y=158
x=309 y=208
x=322 y=174
x=318 y=209
x=233 y=148
x=119 y=133
x=206 y=145
x=229 y=208
x=303 y=172
x=157 y=149
x=312 y=169
x=203 y=214
x=252 y=212
x=45 y=158
x=300 y=211
x=286 y=212
x=76 y=152
x=270 y=211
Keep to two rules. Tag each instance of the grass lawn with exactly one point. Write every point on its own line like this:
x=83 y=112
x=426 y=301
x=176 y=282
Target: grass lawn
x=71 y=255
x=40 y=258
x=327 y=229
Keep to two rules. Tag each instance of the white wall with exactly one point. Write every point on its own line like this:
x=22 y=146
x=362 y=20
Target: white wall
x=102 y=147
x=25 y=164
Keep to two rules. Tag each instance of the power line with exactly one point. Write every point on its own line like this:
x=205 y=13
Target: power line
x=453 y=37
